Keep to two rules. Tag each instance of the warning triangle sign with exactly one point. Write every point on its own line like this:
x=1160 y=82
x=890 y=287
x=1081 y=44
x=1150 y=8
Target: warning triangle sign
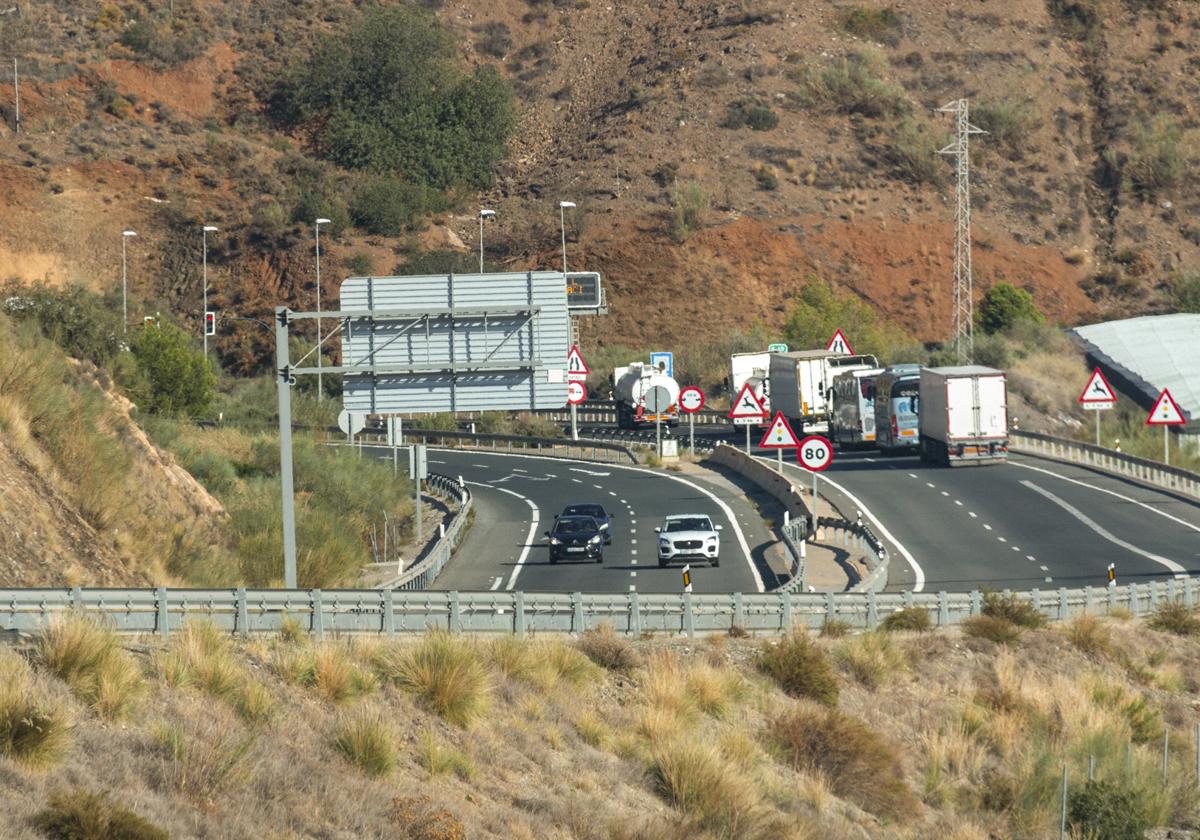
x=1097 y=390
x=576 y=367
x=1165 y=412
x=747 y=405
x=839 y=344
x=779 y=435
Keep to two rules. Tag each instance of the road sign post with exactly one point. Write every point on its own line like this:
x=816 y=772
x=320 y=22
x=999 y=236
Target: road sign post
x=747 y=411
x=779 y=437
x=1098 y=396
x=577 y=372
x=1166 y=413
x=814 y=453
x=691 y=400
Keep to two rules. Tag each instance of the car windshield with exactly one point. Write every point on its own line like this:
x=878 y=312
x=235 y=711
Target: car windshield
x=575 y=526
x=692 y=523
x=584 y=510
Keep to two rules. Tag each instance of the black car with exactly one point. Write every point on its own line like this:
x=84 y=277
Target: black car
x=576 y=536
x=597 y=512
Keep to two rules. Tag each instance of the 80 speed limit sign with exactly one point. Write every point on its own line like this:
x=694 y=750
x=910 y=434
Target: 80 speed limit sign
x=814 y=453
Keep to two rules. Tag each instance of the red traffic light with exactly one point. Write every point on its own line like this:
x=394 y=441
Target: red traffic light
x=210 y=323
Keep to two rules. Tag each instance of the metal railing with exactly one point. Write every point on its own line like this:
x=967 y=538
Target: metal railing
x=605 y=411
x=1175 y=479
x=423 y=574
x=584 y=450
x=391 y=612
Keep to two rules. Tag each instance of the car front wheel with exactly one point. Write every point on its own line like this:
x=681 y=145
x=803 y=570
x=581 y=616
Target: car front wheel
x=716 y=562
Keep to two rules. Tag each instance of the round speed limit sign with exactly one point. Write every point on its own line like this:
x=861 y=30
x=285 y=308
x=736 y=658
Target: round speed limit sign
x=576 y=393
x=691 y=399
x=814 y=453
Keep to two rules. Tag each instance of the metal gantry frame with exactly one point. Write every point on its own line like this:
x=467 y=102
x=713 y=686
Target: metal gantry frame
x=964 y=307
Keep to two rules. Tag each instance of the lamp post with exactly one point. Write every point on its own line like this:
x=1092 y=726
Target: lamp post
x=125 y=234
x=204 y=232
x=562 y=222
x=320 y=386
x=483 y=214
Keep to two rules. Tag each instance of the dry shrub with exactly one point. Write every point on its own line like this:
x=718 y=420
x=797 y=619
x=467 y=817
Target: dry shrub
x=871 y=658
x=713 y=690
x=511 y=657
x=419 y=819
x=255 y=702
x=291 y=630
x=294 y=665
x=912 y=619
x=1090 y=635
x=443 y=671
x=835 y=629
x=800 y=668
x=202 y=756
x=992 y=628
x=1175 y=617
x=84 y=815
x=592 y=729
x=701 y=783
x=860 y=765
x=1019 y=612
x=337 y=677
x=33 y=729
x=608 y=650
x=439 y=758
x=555 y=662
x=365 y=739
x=87 y=657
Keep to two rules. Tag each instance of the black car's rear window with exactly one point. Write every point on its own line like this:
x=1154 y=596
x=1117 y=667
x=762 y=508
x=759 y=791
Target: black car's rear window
x=584 y=510
x=575 y=526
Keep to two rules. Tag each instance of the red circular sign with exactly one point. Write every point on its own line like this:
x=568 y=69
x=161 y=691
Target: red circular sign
x=576 y=393
x=691 y=399
x=814 y=453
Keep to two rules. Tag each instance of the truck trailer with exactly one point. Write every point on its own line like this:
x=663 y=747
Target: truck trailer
x=753 y=368
x=964 y=415
x=800 y=382
x=639 y=390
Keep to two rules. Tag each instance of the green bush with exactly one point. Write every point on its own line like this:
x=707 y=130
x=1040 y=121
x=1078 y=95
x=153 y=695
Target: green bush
x=1011 y=608
x=1008 y=122
x=33 y=730
x=1157 y=162
x=389 y=94
x=1104 y=809
x=1185 y=292
x=84 y=815
x=993 y=628
x=385 y=205
x=854 y=86
x=817 y=311
x=875 y=24
x=746 y=112
x=914 y=154
x=359 y=264
x=443 y=262
x=689 y=205
x=1175 y=617
x=766 y=178
x=178 y=379
x=910 y=618
x=365 y=739
x=84 y=324
x=1003 y=306
x=800 y=668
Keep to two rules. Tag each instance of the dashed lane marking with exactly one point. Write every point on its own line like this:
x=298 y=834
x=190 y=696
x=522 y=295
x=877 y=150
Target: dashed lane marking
x=945 y=493
x=496 y=583
x=912 y=475
x=987 y=527
x=1002 y=539
x=930 y=484
x=533 y=526
x=973 y=514
x=957 y=502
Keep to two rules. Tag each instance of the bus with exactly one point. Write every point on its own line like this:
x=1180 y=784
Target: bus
x=852 y=407
x=896 y=408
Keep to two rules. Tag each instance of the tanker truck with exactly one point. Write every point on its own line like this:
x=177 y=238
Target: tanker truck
x=644 y=395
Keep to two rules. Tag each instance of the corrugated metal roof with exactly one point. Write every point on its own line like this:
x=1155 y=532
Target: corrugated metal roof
x=1147 y=354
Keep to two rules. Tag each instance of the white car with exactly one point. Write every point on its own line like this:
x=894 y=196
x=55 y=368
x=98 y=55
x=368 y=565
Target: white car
x=689 y=536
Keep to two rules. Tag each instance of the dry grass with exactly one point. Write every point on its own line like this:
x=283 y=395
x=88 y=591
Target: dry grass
x=337 y=677
x=444 y=672
x=84 y=815
x=608 y=650
x=913 y=619
x=1090 y=635
x=86 y=656
x=871 y=658
x=800 y=668
x=592 y=729
x=365 y=739
x=203 y=755
x=992 y=628
x=438 y=758
x=701 y=783
x=34 y=730
x=1174 y=617
x=1011 y=608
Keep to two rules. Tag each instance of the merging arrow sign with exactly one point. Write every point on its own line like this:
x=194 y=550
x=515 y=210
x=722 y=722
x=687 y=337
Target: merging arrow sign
x=779 y=435
x=1165 y=412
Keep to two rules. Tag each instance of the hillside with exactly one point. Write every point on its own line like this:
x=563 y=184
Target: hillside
x=801 y=136
x=888 y=735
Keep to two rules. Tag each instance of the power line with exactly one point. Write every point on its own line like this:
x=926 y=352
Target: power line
x=964 y=307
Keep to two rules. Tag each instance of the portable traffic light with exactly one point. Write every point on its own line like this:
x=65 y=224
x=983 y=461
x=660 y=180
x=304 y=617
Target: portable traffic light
x=210 y=323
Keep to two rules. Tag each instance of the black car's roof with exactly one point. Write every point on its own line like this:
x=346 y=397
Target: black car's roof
x=570 y=524
x=583 y=508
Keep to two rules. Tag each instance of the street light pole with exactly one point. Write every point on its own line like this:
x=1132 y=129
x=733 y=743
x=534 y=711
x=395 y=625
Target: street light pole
x=204 y=232
x=125 y=282
x=562 y=222
x=320 y=385
x=483 y=214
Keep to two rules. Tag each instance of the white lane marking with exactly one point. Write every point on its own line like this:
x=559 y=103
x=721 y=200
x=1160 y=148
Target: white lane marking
x=973 y=514
x=1100 y=531
x=634 y=561
x=533 y=526
x=987 y=527
x=634 y=542
x=518 y=469
x=634 y=552
x=432 y=461
x=624 y=502
x=1120 y=496
x=1002 y=539
x=918 y=572
x=577 y=481
x=589 y=472
x=1030 y=558
x=611 y=493
x=945 y=493
x=633 y=574
x=929 y=484
x=552 y=475
x=598 y=486
x=957 y=502
x=1043 y=568
x=869 y=460
x=496 y=583
x=632 y=522
x=912 y=475
x=1017 y=549
x=1049 y=579
x=477 y=466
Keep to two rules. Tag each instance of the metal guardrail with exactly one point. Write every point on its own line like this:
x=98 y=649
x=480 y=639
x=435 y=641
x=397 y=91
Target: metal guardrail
x=585 y=450
x=391 y=613
x=646 y=439
x=1175 y=479
x=424 y=573
x=605 y=411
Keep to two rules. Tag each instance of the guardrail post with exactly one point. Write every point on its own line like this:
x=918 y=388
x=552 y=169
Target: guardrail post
x=1112 y=598
x=830 y=607
x=1172 y=592
x=635 y=614
x=689 y=624
x=1089 y=599
x=738 y=617
x=318 y=614
x=1036 y=599
x=160 y=604
x=1134 y=607
x=872 y=611
x=389 y=612
x=519 y=614
x=908 y=598
x=1153 y=595
x=455 y=614
x=577 y=603
x=1062 y=603
x=943 y=609
x=976 y=602
x=1188 y=592
x=786 y=609
x=242 y=627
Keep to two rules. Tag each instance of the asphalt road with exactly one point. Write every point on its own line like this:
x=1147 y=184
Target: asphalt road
x=517 y=496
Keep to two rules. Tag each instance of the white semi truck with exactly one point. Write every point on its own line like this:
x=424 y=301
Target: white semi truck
x=753 y=368
x=644 y=395
x=800 y=382
x=964 y=415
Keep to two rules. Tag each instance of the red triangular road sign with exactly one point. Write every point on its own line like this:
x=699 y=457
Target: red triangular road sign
x=839 y=344
x=576 y=367
x=747 y=405
x=1097 y=390
x=779 y=435
x=1165 y=412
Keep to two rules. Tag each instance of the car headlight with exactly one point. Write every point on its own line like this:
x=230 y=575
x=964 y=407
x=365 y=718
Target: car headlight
x=555 y=541
x=712 y=539
x=595 y=540
x=664 y=543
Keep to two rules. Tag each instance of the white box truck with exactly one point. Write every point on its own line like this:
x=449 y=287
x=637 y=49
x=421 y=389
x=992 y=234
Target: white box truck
x=964 y=415
x=752 y=368
x=800 y=382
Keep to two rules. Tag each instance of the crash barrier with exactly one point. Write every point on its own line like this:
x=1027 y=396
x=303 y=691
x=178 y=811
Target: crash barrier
x=1181 y=481
x=391 y=612
x=858 y=536
x=648 y=440
x=582 y=450
x=423 y=574
x=605 y=411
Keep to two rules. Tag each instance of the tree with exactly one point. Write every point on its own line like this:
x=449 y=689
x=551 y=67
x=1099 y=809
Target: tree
x=818 y=312
x=1185 y=292
x=175 y=376
x=1004 y=306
